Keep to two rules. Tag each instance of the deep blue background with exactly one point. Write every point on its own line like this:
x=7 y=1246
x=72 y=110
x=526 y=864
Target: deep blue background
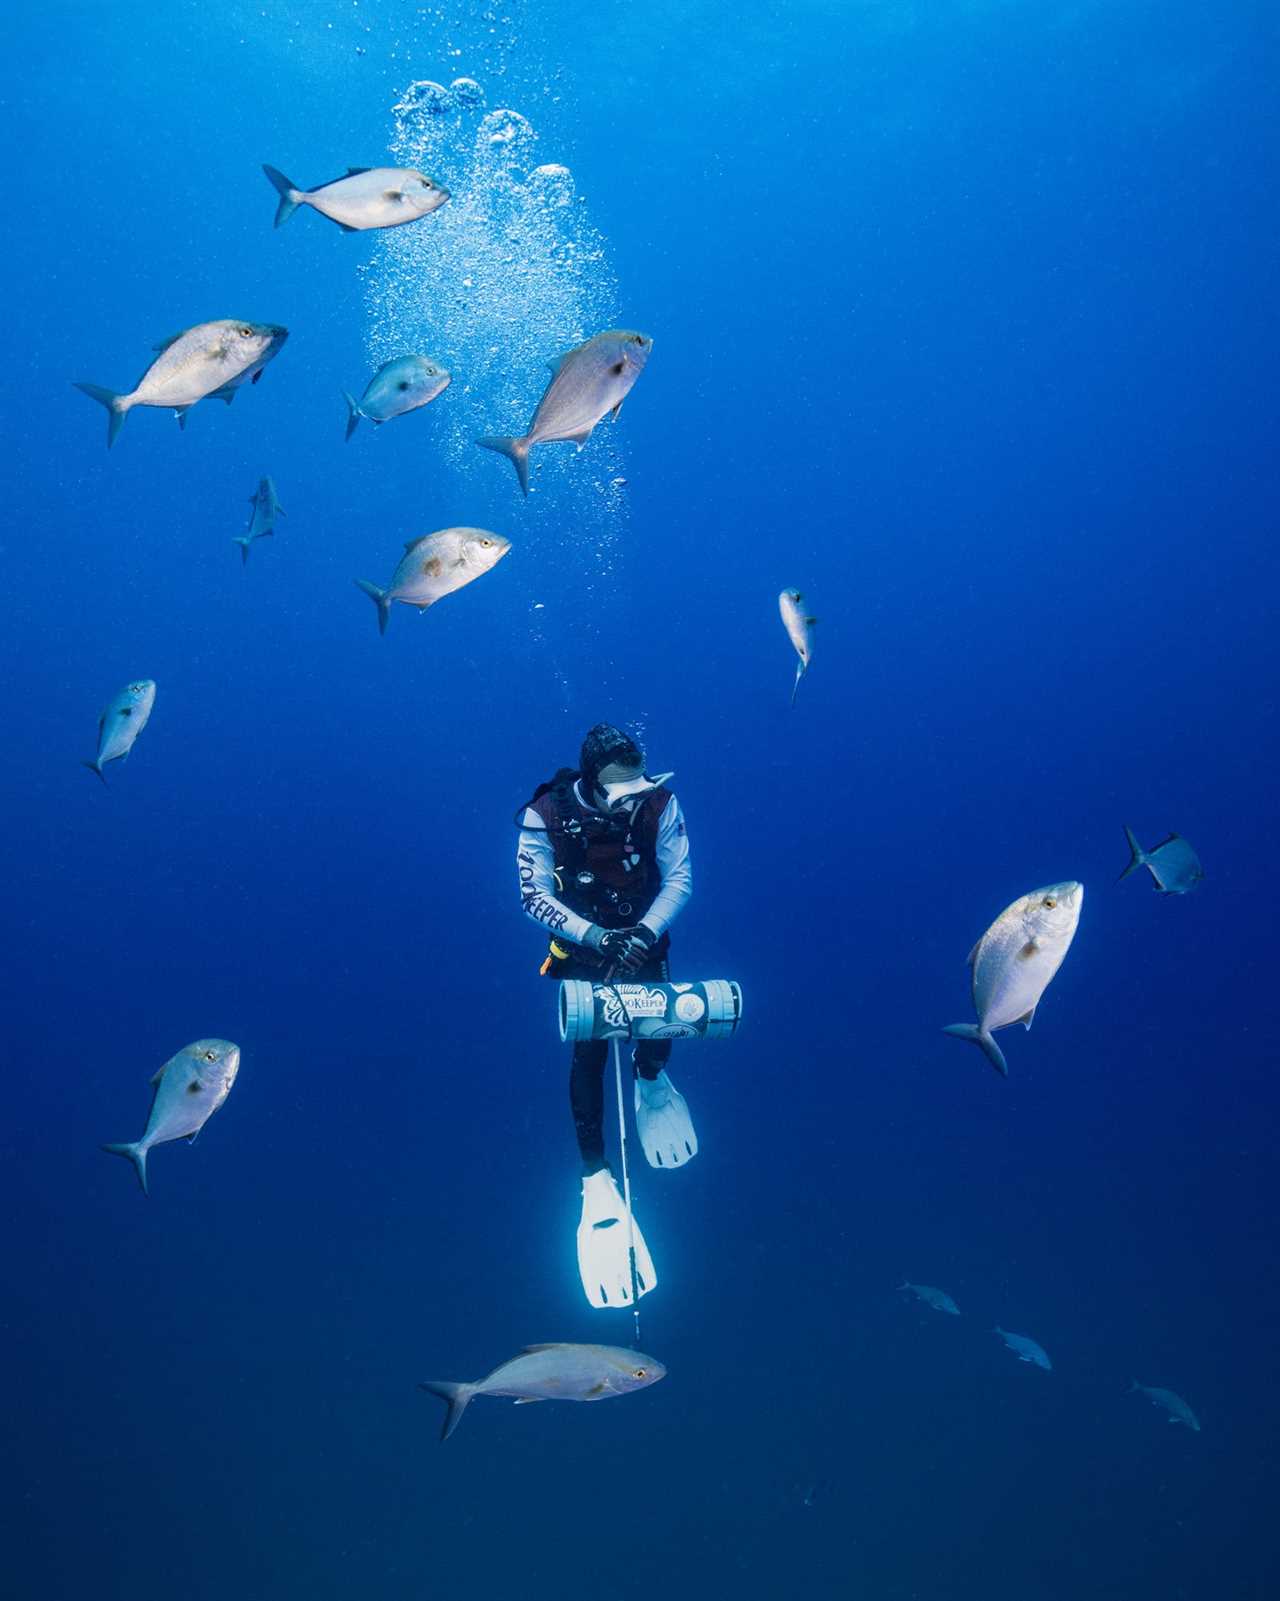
x=965 y=322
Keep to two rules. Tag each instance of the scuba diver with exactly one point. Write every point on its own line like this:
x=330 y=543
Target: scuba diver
x=603 y=860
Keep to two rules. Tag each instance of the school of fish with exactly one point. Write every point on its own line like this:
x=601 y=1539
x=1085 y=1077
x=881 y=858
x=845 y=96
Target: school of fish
x=1011 y=965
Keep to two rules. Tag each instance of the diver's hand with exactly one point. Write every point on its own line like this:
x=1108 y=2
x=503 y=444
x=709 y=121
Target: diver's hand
x=628 y=948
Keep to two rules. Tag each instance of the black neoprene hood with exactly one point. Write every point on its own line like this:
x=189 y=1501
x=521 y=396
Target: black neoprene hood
x=604 y=744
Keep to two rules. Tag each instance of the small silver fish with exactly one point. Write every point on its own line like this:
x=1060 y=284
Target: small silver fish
x=435 y=566
x=553 y=1373
x=797 y=625
x=939 y=1300
x=367 y=197
x=1172 y=863
x=1026 y=1349
x=398 y=386
x=1174 y=1405
x=211 y=359
x=588 y=383
x=262 y=520
x=190 y=1088
x=123 y=719
x=1014 y=961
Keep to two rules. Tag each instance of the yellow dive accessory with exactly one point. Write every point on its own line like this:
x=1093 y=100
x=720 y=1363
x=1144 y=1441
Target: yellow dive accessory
x=555 y=953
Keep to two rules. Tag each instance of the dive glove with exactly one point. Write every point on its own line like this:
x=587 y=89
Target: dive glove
x=627 y=949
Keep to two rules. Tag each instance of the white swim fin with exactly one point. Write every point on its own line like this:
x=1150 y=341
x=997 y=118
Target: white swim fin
x=663 y=1122
x=604 y=1259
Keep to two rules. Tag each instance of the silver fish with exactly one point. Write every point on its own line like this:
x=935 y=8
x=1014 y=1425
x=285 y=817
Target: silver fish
x=123 y=719
x=553 y=1373
x=366 y=197
x=190 y=1088
x=262 y=520
x=588 y=383
x=398 y=386
x=1014 y=961
x=1026 y=1349
x=208 y=360
x=1172 y=863
x=797 y=625
x=1174 y=1405
x=436 y=565
x=939 y=1300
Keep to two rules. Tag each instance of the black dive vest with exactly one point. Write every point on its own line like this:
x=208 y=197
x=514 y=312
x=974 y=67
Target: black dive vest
x=606 y=865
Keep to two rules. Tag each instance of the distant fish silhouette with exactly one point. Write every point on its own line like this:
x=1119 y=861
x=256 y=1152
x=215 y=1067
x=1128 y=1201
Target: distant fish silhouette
x=1172 y=863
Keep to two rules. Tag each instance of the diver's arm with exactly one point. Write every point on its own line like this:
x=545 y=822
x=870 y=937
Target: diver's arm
x=536 y=862
x=672 y=853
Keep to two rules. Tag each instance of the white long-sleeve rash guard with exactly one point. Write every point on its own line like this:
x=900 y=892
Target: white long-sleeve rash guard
x=536 y=863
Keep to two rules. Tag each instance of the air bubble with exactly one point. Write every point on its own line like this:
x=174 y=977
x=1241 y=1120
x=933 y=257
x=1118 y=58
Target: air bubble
x=467 y=92
x=424 y=98
x=553 y=184
x=506 y=136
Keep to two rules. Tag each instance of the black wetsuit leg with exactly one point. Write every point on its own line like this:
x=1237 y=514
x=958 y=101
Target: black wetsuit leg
x=586 y=1073
x=586 y=1098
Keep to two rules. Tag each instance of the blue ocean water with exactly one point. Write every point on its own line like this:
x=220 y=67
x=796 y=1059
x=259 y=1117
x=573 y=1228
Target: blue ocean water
x=964 y=322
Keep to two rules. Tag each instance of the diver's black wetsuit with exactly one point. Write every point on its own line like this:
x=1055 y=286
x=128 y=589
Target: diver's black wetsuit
x=578 y=867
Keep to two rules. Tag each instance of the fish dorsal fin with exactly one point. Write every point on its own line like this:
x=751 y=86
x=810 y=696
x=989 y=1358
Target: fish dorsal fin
x=345 y=229
x=529 y=1400
x=413 y=544
x=811 y=622
x=553 y=367
x=1027 y=1018
x=171 y=340
x=354 y=172
x=973 y=954
x=532 y=1350
x=581 y=437
x=157 y=1075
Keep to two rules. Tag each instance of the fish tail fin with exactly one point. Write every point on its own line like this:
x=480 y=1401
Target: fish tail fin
x=515 y=450
x=95 y=767
x=116 y=410
x=380 y=600
x=354 y=414
x=243 y=543
x=136 y=1151
x=983 y=1040
x=1137 y=856
x=290 y=197
x=457 y=1397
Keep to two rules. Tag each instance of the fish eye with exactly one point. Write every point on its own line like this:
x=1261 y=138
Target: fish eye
x=211 y=1056
x=246 y=333
x=638 y=339
x=1049 y=901
x=486 y=543
x=640 y=1373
